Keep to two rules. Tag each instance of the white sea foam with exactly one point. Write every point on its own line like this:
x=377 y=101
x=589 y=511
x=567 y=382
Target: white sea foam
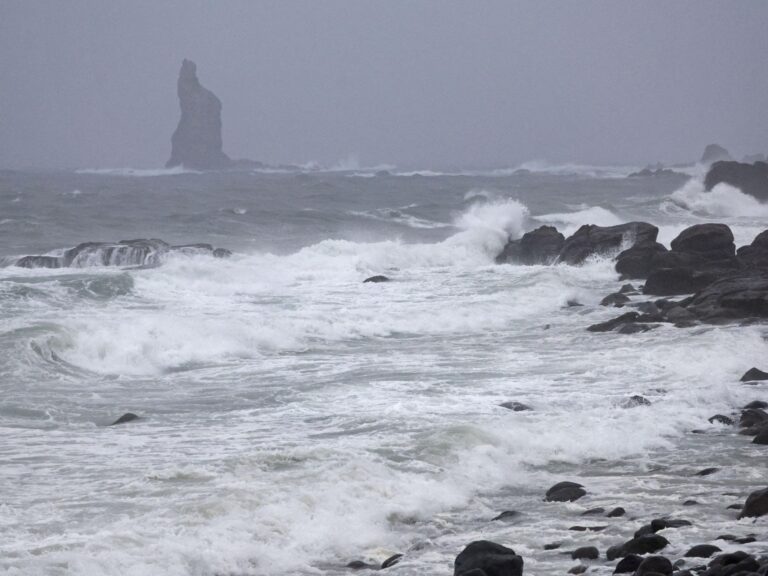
x=569 y=222
x=138 y=172
x=722 y=201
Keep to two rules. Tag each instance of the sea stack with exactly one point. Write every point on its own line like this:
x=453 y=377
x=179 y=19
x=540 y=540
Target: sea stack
x=196 y=143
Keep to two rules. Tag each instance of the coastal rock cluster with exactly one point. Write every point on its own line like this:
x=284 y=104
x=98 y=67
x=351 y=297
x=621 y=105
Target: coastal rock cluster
x=721 y=283
x=141 y=252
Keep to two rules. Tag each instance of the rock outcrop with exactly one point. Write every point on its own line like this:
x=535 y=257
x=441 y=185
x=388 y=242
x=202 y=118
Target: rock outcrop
x=713 y=153
x=751 y=179
x=140 y=252
x=540 y=246
x=196 y=143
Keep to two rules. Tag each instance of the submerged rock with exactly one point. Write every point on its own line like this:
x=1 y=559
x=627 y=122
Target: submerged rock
x=376 y=279
x=489 y=558
x=646 y=544
x=516 y=406
x=196 y=143
x=585 y=553
x=127 y=417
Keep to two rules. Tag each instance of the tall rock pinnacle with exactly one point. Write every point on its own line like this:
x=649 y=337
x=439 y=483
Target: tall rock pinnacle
x=196 y=143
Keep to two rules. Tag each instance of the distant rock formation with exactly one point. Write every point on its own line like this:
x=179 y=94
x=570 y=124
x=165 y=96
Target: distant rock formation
x=196 y=143
x=714 y=153
x=752 y=158
x=751 y=179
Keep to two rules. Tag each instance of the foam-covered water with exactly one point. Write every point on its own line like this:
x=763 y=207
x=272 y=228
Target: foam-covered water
x=294 y=419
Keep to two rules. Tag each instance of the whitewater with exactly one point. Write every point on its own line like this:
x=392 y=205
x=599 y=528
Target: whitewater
x=293 y=419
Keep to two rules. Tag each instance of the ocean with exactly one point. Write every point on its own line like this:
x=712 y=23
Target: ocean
x=293 y=419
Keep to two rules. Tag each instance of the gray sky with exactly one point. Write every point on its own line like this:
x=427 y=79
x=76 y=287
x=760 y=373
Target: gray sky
x=475 y=83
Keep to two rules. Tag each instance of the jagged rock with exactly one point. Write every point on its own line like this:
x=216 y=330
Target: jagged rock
x=565 y=492
x=196 y=143
x=713 y=153
x=649 y=172
x=707 y=471
x=751 y=179
x=507 y=515
x=599 y=240
x=721 y=419
x=391 y=561
x=754 y=374
x=743 y=296
x=756 y=504
x=490 y=558
x=540 y=246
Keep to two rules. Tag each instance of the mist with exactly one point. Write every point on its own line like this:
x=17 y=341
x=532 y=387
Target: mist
x=427 y=84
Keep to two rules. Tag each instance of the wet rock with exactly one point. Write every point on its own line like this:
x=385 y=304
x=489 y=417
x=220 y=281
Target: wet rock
x=734 y=507
x=731 y=564
x=654 y=565
x=628 y=289
x=626 y=318
x=745 y=540
x=702 y=551
x=675 y=281
x=756 y=504
x=38 y=262
x=376 y=279
x=646 y=544
x=360 y=565
x=757 y=405
x=754 y=374
x=573 y=304
x=507 y=515
x=690 y=503
x=127 y=417
x=493 y=559
x=593 y=512
x=742 y=296
x=616 y=512
x=629 y=563
x=751 y=179
x=592 y=240
x=636 y=328
x=585 y=553
x=221 y=253
x=707 y=471
x=515 y=406
x=753 y=417
x=540 y=246
x=638 y=261
x=617 y=300
x=565 y=492
x=553 y=546
x=197 y=143
x=761 y=437
x=721 y=419
x=713 y=240
x=679 y=315
x=391 y=561
x=580 y=569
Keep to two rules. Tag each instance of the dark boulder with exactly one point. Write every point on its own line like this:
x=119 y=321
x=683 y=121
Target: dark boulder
x=638 y=261
x=752 y=417
x=761 y=437
x=676 y=281
x=756 y=405
x=645 y=544
x=654 y=565
x=593 y=511
x=376 y=279
x=553 y=546
x=616 y=512
x=741 y=296
x=585 y=553
x=731 y=564
x=540 y=246
x=609 y=325
x=751 y=179
x=565 y=492
x=720 y=419
x=754 y=374
x=599 y=240
x=756 y=504
x=628 y=564
x=127 y=417
x=707 y=471
x=713 y=153
x=714 y=240
x=702 y=551
x=755 y=255
x=578 y=569
x=493 y=559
